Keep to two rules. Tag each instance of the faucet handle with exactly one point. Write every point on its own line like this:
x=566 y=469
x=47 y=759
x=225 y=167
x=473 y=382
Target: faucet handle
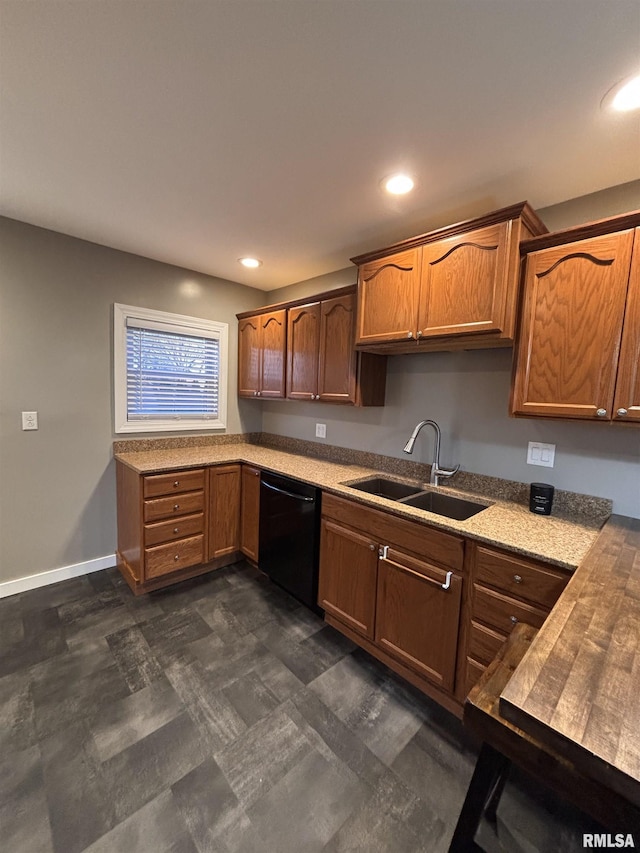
x=442 y=473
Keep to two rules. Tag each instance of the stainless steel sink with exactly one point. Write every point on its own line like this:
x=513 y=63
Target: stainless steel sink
x=384 y=488
x=446 y=505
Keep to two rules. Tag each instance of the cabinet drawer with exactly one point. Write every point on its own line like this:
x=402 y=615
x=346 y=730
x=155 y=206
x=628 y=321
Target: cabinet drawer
x=502 y=612
x=173 y=482
x=176 y=505
x=474 y=671
x=169 y=531
x=175 y=556
x=484 y=643
x=540 y=585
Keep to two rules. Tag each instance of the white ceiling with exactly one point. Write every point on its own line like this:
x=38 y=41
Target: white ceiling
x=198 y=131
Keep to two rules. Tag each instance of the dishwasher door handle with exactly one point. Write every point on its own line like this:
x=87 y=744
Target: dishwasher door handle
x=288 y=494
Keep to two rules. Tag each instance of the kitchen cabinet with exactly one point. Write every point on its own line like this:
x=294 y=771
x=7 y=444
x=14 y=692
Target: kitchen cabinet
x=578 y=353
x=224 y=510
x=262 y=354
x=452 y=288
x=250 y=513
x=321 y=361
x=175 y=525
x=418 y=613
x=505 y=589
x=395 y=587
x=348 y=575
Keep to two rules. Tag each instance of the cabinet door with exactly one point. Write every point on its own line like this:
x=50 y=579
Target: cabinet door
x=273 y=339
x=416 y=619
x=303 y=336
x=571 y=326
x=249 y=357
x=463 y=285
x=347 y=580
x=224 y=510
x=337 y=358
x=250 y=512
x=388 y=291
x=627 y=402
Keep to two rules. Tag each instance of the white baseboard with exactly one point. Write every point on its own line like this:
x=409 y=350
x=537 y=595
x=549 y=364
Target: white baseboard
x=55 y=575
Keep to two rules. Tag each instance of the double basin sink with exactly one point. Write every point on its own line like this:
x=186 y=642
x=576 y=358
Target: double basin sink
x=445 y=505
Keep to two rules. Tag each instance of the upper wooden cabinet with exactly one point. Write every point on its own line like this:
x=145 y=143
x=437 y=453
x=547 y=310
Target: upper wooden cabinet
x=261 y=354
x=321 y=360
x=452 y=288
x=579 y=347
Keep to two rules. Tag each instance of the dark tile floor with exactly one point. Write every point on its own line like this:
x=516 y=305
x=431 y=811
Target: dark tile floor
x=220 y=715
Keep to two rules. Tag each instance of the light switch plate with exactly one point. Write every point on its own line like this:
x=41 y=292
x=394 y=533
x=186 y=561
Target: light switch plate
x=541 y=454
x=321 y=430
x=29 y=420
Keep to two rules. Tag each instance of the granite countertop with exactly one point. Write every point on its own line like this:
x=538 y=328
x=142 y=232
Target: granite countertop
x=561 y=541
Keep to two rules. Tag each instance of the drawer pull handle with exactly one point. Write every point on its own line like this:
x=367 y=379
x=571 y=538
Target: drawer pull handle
x=514 y=619
x=176 y=482
x=517 y=578
x=176 y=506
x=372 y=547
x=175 y=529
x=177 y=557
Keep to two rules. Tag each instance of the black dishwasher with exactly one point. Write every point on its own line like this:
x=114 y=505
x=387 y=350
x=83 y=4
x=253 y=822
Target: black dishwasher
x=289 y=535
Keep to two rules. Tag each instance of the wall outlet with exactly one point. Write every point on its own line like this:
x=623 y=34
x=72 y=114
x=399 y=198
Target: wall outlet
x=29 y=420
x=541 y=454
x=321 y=430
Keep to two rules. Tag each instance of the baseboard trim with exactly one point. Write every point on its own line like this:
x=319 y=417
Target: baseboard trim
x=55 y=575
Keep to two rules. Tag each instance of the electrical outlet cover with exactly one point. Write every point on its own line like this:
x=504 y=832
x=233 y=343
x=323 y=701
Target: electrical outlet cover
x=321 y=430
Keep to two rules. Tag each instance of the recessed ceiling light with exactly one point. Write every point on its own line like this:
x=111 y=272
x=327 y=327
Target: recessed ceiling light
x=398 y=184
x=624 y=96
x=251 y=263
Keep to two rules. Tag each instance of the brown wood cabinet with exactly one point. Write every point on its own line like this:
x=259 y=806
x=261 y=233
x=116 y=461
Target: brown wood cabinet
x=224 y=511
x=418 y=613
x=348 y=573
x=395 y=587
x=177 y=524
x=578 y=354
x=321 y=360
x=505 y=589
x=452 y=288
x=250 y=513
x=261 y=354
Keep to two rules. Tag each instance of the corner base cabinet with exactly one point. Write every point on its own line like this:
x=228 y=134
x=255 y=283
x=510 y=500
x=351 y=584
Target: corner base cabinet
x=177 y=524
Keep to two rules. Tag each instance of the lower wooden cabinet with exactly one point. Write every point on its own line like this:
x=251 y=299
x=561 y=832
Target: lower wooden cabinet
x=224 y=511
x=348 y=572
x=250 y=513
x=418 y=615
x=395 y=587
x=177 y=524
x=505 y=589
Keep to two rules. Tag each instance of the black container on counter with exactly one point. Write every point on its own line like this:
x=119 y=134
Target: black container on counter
x=541 y=498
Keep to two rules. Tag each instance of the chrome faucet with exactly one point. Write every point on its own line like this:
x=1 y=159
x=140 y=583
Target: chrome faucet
x=436 y=470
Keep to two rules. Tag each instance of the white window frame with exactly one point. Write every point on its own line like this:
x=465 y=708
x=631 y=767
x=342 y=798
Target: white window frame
x=180 y=324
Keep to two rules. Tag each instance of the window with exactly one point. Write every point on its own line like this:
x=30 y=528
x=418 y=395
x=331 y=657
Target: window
x=170 y=371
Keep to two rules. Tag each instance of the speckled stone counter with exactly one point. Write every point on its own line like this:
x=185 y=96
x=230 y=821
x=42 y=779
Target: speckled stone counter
x=561 y=541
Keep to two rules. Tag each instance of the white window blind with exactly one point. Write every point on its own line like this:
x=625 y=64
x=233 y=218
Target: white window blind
x=170 y=371
x=171 y=375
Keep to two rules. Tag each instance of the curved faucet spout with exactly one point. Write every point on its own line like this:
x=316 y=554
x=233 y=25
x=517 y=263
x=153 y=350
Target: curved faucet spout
x=436 y=470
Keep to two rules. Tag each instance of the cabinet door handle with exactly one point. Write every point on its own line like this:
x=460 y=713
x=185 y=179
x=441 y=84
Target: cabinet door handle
x=621 y=413
x=601 y=413
x=409 y=334
x=445 y=585
x=372 y=547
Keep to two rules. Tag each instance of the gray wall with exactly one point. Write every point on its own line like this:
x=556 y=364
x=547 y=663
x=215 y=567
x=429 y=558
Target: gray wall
x=468 y=394
x=57 y=499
